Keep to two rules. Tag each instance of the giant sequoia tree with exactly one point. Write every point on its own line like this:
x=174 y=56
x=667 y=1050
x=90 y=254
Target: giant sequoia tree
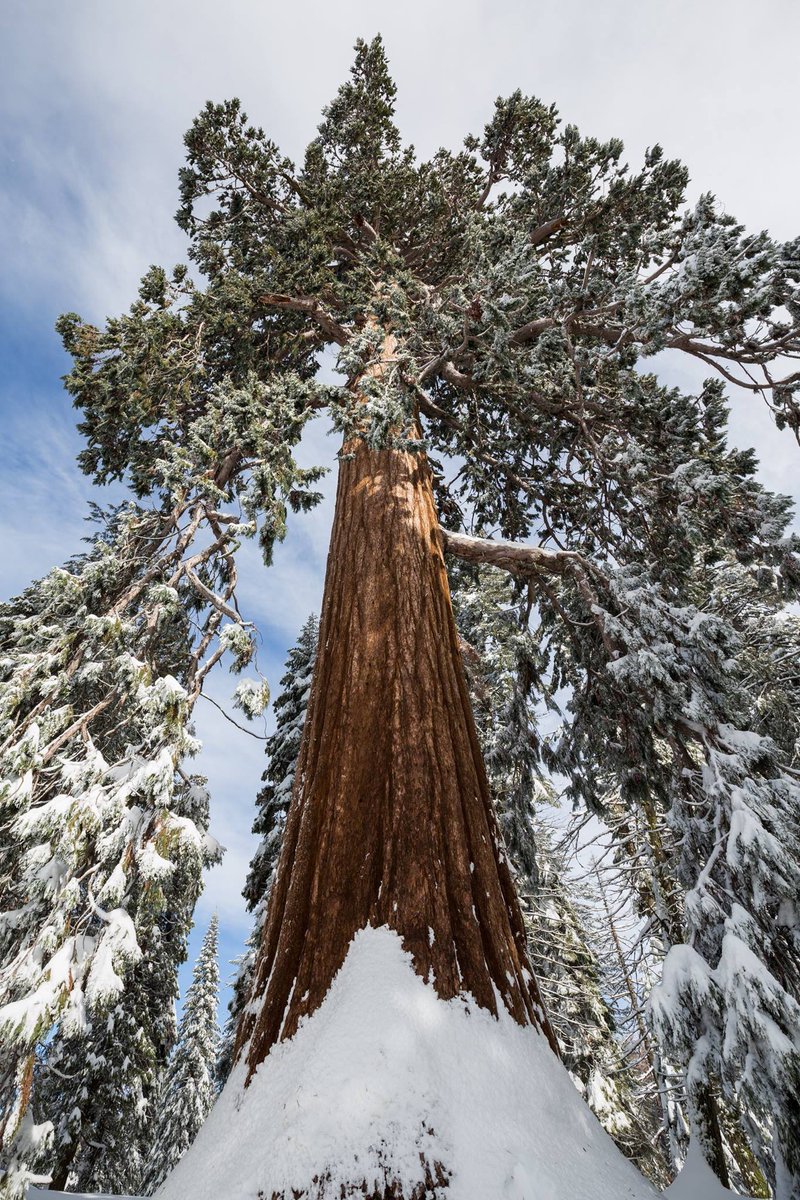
x=493 y=311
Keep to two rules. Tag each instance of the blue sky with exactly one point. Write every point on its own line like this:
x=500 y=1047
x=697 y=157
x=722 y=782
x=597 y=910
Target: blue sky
x=95 y=96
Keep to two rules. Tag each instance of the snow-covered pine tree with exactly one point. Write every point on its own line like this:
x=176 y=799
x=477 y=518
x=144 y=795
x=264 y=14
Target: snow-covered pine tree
x=98 y=1086
x=102 y=664
x=649 y=823
x=754 y=598
x=504 y=670
x=716 y=809
x=282 y=748
x=96 y=1089
x=103 y=832
x=186 y=1091
x=494 y=306
x=642 y=903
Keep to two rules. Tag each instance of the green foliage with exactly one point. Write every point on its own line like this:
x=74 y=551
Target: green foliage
x=186 y=1088
x=505 y=669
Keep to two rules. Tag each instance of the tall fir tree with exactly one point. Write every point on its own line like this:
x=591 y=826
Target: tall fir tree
x=186 y=1090
x=652 y=828
x=283 y=749
x=104 y=841
x=491 y=306
x=103 y=662
x=99 y=1086
x=504 y=669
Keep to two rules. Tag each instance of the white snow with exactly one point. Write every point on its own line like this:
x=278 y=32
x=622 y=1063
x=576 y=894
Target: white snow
x=696 y=1181
x=384 y=1072
x=117 y=945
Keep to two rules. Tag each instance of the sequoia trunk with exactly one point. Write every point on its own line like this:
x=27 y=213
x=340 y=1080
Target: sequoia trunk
x=391 y=822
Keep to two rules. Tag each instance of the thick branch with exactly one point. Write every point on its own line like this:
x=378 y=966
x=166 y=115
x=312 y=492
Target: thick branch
x=524 y=561
x=618 y=336
x=533 y=330
x=547 y=230
x=308 y=305
x=451 y=374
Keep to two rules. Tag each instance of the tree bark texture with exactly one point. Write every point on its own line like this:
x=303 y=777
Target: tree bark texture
x=391 y=822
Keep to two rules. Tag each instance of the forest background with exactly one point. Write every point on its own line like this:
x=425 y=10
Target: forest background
x=95 y=96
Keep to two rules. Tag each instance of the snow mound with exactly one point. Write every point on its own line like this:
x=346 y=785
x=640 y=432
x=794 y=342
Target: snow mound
x=386 y=1079
x=696 y=1180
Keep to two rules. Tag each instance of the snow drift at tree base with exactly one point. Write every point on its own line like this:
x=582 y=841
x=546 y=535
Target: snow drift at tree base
x=389 y=1091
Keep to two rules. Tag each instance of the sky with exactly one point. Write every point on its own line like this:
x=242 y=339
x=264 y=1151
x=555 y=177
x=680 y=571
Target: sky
x=95 y=96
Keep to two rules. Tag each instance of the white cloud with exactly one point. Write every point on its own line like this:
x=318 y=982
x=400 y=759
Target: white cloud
x=99 y=96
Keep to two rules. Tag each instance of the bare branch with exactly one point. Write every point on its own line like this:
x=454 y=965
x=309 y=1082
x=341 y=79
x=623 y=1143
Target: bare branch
x=517 y=559
x=258 y=736
x=212 y=598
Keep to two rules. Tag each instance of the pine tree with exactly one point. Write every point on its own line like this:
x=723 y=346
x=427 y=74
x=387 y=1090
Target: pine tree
x=104 y=832
x=98 y=1086
x=652 y=827
x=103 y=662
x=503 y=669
x=491 y=307
x=282 y=749
x=96 y=1089
x=186 y=1091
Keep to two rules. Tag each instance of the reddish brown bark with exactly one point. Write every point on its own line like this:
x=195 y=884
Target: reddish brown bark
x=391 y=822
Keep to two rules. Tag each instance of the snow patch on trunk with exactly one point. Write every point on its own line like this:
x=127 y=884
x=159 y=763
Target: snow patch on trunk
x=384 y=1079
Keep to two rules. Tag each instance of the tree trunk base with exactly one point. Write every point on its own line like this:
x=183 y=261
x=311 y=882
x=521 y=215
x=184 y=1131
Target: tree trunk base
x=436 y=1186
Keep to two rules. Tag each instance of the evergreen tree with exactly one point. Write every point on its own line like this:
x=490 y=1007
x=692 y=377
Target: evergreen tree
x=654 y=828
x=504 y=669
x=186 y=1091
x=641 y=905
x=104 y=832
x=102 y=665
x=98 y=1086
x=282 y=749
x=494 y=307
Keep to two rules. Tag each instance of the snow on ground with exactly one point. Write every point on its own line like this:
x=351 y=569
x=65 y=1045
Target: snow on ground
x=696 y=1181
x=384 y=1072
